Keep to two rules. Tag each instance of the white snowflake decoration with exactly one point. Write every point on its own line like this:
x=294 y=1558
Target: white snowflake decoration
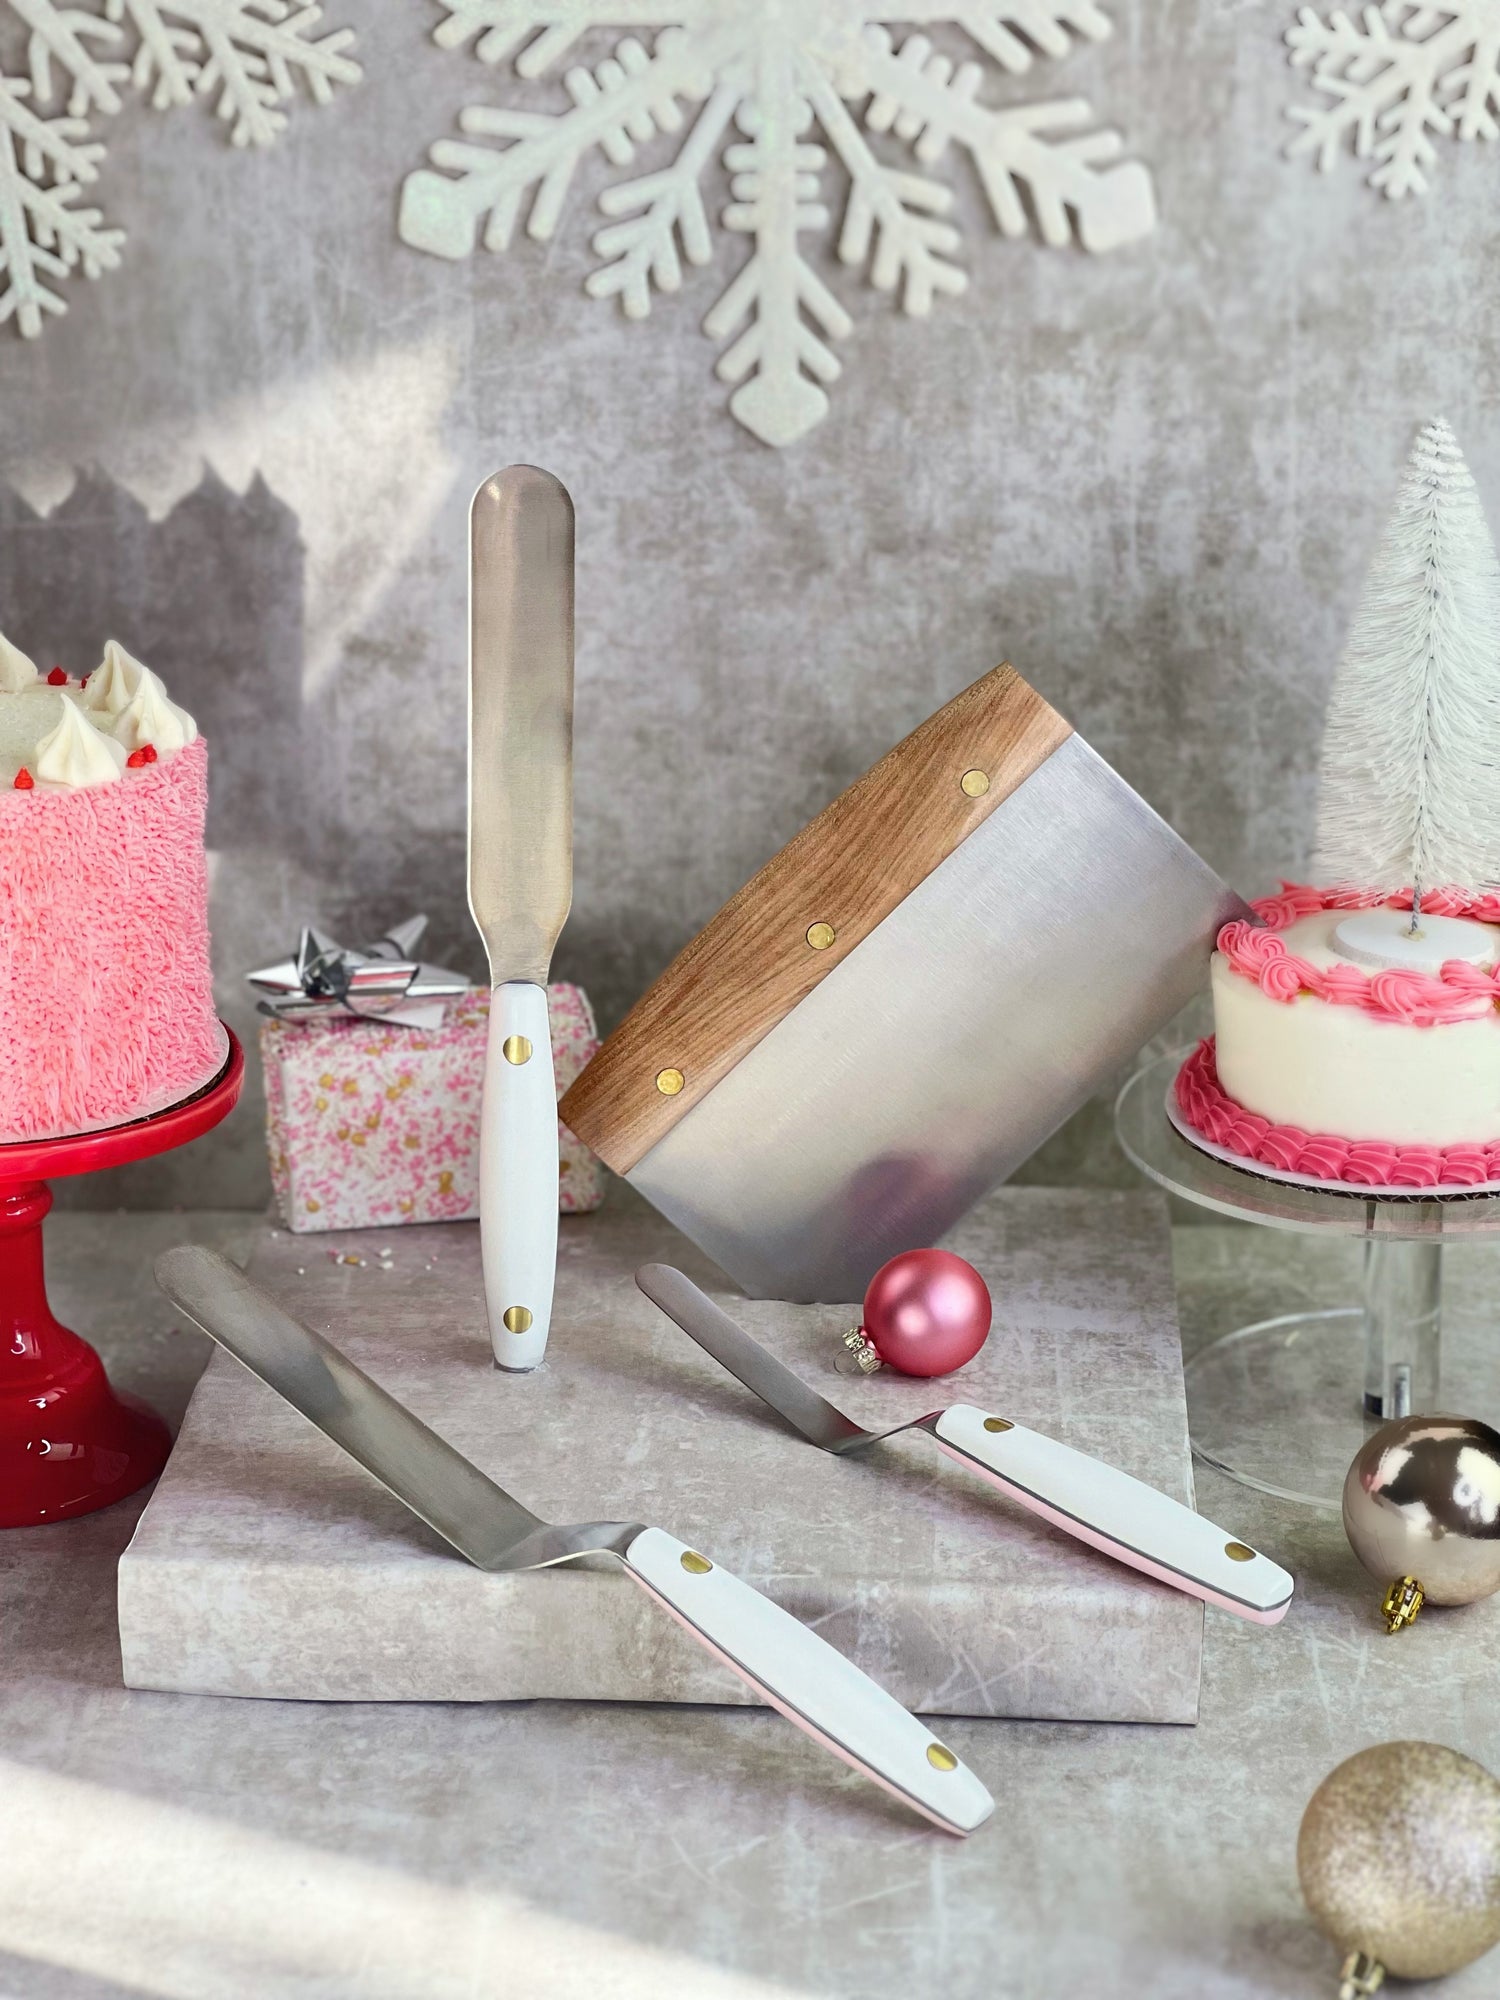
x=1392 y=78
x=244 y=56
x=799 y=80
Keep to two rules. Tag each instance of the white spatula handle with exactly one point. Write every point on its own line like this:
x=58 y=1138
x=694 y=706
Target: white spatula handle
x=810 y=1682
x=518 y=1174
x=1123 y=1516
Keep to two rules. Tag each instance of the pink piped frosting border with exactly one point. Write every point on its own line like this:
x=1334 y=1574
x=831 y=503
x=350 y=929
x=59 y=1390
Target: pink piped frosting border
x=1421 y=999
x=1215 y=1116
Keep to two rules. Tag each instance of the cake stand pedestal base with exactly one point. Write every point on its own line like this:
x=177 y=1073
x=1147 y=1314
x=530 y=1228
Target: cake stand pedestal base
x=1284 y=1405
x=68 y=1441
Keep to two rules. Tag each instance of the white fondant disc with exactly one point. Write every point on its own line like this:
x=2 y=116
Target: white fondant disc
x=1385 y=940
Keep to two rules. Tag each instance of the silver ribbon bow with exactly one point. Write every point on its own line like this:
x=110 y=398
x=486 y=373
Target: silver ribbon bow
x=378 y=982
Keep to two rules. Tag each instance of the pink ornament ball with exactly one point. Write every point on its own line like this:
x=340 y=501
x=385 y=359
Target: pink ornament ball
x=927 y=1312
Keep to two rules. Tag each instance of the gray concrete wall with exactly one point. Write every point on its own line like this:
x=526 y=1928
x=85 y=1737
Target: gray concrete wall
x=1152 y=480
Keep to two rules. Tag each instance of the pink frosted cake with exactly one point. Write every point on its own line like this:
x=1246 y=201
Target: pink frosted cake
x=105 y=993
x=1348 y=1047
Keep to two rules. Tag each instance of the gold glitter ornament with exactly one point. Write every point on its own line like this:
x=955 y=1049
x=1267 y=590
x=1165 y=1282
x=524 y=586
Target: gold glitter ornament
x=1399 y=1860
x=1422 y=1512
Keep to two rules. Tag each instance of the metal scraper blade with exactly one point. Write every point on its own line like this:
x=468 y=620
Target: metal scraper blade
x=1024 y=971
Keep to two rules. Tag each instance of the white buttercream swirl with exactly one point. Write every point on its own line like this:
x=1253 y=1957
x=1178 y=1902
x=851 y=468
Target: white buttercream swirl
x=16 y=670
x=151 y=716
x=76 y=754
x=112 y=683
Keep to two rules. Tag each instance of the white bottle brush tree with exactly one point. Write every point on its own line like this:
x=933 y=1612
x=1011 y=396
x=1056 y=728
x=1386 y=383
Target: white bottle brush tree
x=1409 y=783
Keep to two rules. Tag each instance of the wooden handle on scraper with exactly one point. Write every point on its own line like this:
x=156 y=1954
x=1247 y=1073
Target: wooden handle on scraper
x=806 y=910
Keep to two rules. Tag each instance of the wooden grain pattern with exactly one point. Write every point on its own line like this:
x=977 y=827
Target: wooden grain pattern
x=848 y=868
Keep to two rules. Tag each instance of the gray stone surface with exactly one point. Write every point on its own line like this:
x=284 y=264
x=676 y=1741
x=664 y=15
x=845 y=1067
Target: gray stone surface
x=267 y=1564
x=1152 y=479
x=197 y=1849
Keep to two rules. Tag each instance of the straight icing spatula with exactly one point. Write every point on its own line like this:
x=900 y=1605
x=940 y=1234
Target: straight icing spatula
x=520 y=876
x=788 y=1665
x=1088 y=1499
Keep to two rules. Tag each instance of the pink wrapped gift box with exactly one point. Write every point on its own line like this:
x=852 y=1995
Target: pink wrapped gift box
x=370 y=1124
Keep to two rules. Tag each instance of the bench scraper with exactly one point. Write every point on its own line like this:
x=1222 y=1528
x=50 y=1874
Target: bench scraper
x=904 y=1002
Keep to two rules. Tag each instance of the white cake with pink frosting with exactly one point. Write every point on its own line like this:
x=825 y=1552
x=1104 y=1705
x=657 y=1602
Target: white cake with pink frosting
x=1354 y=1044
x=105 y=990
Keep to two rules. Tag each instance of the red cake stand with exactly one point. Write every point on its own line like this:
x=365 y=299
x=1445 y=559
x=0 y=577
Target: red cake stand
x=68 y=1442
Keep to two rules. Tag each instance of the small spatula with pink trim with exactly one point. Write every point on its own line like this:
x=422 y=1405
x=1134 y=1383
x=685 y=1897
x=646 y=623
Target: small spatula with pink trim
x=1088 y=1499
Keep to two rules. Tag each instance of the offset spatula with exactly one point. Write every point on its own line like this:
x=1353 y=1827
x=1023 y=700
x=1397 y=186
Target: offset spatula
x=790 y=1666
x=1093 y=1501
x=520 y=876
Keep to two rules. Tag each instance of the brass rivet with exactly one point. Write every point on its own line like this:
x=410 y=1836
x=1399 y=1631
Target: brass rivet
x=1238 y=1553
x=941 y=1759
x=516 y=1319
x=998 y=1424
x=695 y=1564
x=821 y=936
x=516 y=1049
x=974 y=783
x=669 y=1081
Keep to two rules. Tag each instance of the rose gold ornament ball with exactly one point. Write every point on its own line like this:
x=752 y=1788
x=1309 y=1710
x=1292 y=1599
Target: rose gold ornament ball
x=1399 y=1858
x=927 y=1312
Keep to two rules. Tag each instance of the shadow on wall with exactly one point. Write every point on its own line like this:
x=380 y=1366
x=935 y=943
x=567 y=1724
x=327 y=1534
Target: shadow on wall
x=211 y=598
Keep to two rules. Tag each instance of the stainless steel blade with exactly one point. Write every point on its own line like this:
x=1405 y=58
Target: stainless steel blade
x=438 y=1484
x=760 y=1371
x=1029 y=967
x=520 y=719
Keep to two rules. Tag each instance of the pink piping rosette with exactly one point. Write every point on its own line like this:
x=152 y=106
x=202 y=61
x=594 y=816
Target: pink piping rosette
x=1324 y=1157
x=1282 y=1146
x=1416 y=998
x=1215 y=1116
x=1276 y=912
x=1244 y=1131
x=1248 y=947
x=1344 y=986
x=1283 y=978
x=1469 y=980
x=1372 y=1163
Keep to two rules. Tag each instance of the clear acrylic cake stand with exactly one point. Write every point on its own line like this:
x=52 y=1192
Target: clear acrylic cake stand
x=1284 y=1405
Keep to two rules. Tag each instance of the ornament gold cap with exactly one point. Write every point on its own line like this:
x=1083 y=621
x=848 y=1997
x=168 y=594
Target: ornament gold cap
x=1360 y=1975
x=1400 y=1606
x=863 y=1350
